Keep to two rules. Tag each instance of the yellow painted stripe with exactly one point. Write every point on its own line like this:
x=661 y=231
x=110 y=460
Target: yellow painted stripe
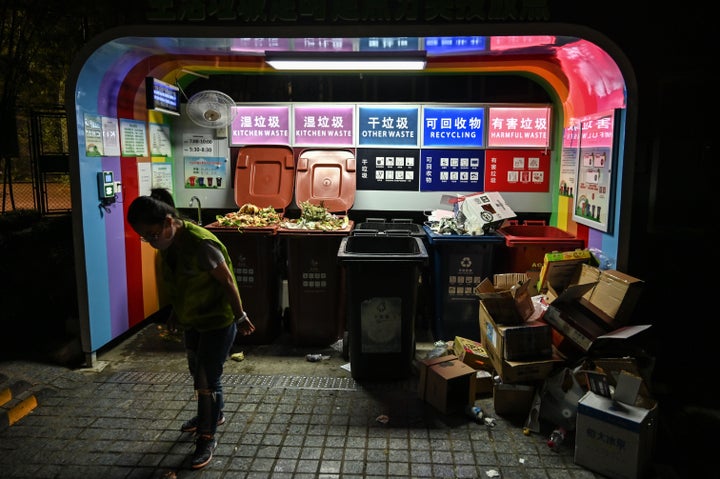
x=5 y=396
x=21 y=410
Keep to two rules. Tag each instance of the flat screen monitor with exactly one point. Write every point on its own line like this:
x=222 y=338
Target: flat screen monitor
x=162 y=97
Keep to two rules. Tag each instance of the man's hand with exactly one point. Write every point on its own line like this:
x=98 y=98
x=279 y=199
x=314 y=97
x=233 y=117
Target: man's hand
x=246 y=327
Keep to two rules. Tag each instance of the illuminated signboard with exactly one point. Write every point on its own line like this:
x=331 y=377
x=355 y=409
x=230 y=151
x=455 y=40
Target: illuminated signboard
x=162 y=97
x=260 y=125
x=388 y=125
x=388 y=44
x=518 y=127
x=439 y=45
x=453 y=126
x=323 y=125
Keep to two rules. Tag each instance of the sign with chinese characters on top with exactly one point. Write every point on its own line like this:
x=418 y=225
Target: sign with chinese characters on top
x=518 y=127
x=388 y=125
x=453 y=126
x=595 y=180
x=323 y=125
x=260 y=125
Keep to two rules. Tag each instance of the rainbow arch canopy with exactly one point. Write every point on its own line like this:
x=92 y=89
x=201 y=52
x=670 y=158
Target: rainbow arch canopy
x=582 y=71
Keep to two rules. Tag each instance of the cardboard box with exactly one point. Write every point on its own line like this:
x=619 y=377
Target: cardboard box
x=529 y=340
x=575 y=320
x=612 y=438
x=513 y=399
x=616 y=294
x=580 y=323
x=510 y=371
x=610 y=369
x=445 y=383
x=560 y=268
x=613 y=297
x=481 y=385
x=472 y=353
x=508 y=306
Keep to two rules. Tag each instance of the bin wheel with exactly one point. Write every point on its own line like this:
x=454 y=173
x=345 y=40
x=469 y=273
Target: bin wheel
x=346 y=346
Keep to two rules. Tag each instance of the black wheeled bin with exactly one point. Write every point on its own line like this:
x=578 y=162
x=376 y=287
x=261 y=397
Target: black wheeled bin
x=315 y=282
x=264 y=177
x=382 y=281
x=405 y=226
x=256 y=262
x=460 y=263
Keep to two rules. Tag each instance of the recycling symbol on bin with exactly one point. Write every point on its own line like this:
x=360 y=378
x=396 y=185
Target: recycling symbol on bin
x=466 y=262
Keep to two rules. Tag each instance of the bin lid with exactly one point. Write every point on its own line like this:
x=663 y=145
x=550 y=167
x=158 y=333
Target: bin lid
x=381 y=226
x=326 y=177
x=534 y=233
x=264 y=176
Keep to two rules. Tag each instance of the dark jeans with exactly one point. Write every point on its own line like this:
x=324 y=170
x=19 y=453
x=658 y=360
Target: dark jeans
x=206 y=355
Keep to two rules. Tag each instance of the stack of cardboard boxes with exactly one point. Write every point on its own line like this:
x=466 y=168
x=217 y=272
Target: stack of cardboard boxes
x=569 y=313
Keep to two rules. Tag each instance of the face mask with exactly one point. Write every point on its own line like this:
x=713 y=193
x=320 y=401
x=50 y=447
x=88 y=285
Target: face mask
x=161 y=240
x=165 y=239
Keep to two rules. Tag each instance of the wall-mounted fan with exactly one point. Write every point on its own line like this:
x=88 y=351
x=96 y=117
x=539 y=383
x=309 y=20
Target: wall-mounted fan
x=211 y=109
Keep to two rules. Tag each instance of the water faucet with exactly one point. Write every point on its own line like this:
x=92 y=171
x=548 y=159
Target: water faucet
x=199 y=210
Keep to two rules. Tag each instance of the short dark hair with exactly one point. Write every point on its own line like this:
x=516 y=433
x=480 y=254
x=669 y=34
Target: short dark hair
x=149 y=210
x=163 y=194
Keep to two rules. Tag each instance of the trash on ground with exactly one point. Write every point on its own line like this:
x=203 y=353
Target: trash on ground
x=238 y=356
x=313 y=358
x=383 y=419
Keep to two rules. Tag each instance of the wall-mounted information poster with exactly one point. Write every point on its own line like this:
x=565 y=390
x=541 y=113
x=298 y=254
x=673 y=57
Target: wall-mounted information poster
x=569 y=159
x=595 y=181
x=206 y=172
x=133 y=138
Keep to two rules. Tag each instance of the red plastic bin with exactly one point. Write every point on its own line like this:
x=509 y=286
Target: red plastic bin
x=527 y=243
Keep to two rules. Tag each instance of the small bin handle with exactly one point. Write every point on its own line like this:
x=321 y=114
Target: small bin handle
x=364 y=232
x=390 y=232
x=527 y=223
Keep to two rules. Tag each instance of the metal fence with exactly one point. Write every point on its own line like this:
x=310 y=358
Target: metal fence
x=38 y=179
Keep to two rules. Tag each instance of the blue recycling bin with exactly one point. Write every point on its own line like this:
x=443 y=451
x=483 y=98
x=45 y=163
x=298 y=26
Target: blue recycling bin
x=460 y=263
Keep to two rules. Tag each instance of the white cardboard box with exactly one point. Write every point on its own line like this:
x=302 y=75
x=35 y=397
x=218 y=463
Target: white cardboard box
x=613 y=438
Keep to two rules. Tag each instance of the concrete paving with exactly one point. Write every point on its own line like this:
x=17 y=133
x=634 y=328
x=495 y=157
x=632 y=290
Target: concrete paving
x=286 y=418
